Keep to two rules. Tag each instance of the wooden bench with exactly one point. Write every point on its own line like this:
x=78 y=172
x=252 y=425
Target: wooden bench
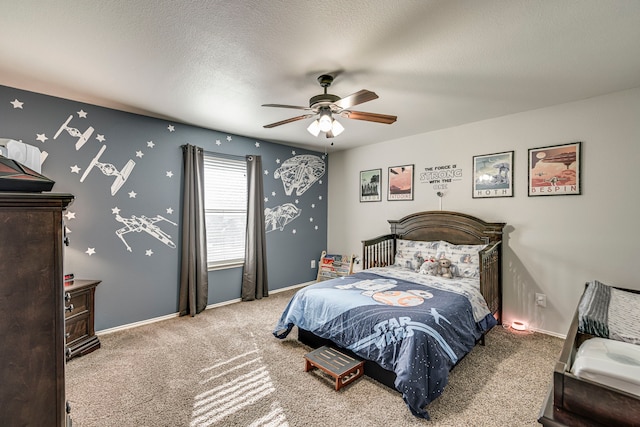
x=344 y=369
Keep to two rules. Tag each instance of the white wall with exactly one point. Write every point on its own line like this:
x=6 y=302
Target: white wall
x=552 y=244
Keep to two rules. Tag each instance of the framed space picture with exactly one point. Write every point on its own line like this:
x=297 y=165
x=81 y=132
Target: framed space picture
x=370 y=185
x=555 y=170
x=400 y=183
x=493 y=175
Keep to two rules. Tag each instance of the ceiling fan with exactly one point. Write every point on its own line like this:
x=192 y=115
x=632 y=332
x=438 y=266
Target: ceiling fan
x=324 y=106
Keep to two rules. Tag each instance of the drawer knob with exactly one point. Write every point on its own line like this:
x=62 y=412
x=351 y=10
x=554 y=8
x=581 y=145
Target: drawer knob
x=69 y=308
x=67 y=297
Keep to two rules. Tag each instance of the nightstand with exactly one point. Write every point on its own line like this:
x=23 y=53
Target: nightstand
x=79 y=317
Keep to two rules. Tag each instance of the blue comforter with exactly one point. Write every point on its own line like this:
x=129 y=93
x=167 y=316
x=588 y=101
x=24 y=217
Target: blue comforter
x=418 y=329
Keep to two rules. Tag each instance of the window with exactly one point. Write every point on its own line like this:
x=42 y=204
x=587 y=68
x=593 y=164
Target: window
x=225 y=187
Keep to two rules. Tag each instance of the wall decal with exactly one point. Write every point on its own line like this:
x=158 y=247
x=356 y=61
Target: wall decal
x=110 y=170
x=143 y=223
x=280 y=216
x=300 y=173
x=441 y=176
x=83 y=137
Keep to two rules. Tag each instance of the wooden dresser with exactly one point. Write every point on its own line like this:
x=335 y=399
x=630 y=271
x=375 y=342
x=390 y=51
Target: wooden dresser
x=79 y=317
x=32 y=353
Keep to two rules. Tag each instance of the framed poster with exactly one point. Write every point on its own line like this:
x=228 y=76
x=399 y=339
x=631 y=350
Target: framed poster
x=555 y=170
x=493 y=175
x=370 y=185
x=400 y=183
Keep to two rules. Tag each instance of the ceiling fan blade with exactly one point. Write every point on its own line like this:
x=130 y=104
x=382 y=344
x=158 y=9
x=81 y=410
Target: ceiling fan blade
x=297 y=107
x=356 y=98
x=370 y=117
x=292 y=119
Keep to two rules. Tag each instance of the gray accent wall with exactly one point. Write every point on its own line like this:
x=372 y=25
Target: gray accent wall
x=125 y=229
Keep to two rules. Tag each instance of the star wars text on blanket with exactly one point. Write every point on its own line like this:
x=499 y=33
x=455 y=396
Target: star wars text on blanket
x=415 y=325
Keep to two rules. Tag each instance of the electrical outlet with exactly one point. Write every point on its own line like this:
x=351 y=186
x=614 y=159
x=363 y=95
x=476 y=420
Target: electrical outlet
x=541 y=300
x=313 y=263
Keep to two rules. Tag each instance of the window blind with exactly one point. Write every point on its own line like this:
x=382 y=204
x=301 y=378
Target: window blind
x=225 y=182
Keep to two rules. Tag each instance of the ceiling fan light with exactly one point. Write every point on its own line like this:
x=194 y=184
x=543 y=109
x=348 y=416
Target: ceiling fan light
x=314 y=128
x=336 y=128
x=324 y=122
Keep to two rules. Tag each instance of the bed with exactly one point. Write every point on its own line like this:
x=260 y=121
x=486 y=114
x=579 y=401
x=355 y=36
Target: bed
x=409 y=327
x=602 y=389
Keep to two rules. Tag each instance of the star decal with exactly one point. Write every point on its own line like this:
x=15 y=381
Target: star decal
x=115 y=211
x=218 y=142
x=294 y=231
x=75 y=169
x=293 y=152
x=41 y=137
x=278 y=161
x=310 y=219
x=316 y=227
x=70 y=215
x=320 y=182
x=170 y=174
x=132 y=194
x=170 y=211
x=257 y=145
x=313 y=205
x=139 y=154
x=266 y=172
x=150 y=144
x=90 y=251
x=319 y=197
x=149 y=252
x=273 y=193
x=67 y=229
x=296 y=201
x=100 y=138
x=171 y=128
x=82 y=114
x=266 y=199
x=229 y=138
x=17 y=104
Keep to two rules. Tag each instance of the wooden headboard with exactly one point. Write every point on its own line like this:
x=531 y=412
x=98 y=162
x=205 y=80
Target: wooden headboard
x=454 y=227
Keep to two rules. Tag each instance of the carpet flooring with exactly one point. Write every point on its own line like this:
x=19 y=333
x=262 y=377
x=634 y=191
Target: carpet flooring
x=225 y=368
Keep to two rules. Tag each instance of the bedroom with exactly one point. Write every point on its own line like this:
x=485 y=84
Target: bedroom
x=552 y=246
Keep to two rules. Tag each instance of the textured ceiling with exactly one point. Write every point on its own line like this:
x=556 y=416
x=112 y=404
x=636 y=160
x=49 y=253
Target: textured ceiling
x=434 y=64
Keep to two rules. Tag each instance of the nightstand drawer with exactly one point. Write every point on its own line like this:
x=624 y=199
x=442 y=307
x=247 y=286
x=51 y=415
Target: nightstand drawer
x=77 y=328
x=80 y=304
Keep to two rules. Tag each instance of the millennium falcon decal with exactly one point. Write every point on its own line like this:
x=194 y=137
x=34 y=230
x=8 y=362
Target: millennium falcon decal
x=280 y=216
x=300 y=173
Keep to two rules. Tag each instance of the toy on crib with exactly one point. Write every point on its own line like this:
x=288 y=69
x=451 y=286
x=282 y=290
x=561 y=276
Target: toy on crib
x=429 y=267
x=444 y=268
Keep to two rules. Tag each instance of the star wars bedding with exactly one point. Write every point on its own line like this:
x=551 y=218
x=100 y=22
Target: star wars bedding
x=417 y=326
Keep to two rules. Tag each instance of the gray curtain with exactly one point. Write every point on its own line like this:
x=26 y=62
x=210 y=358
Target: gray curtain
x=194 y=281
x=254 y=276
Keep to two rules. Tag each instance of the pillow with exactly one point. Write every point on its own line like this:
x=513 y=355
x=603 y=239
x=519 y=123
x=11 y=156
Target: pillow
x=412 y=253
x=465 y=260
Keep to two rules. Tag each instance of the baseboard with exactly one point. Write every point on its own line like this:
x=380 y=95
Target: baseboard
x=172 y=315
x=553 y=334
x=507 y=324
